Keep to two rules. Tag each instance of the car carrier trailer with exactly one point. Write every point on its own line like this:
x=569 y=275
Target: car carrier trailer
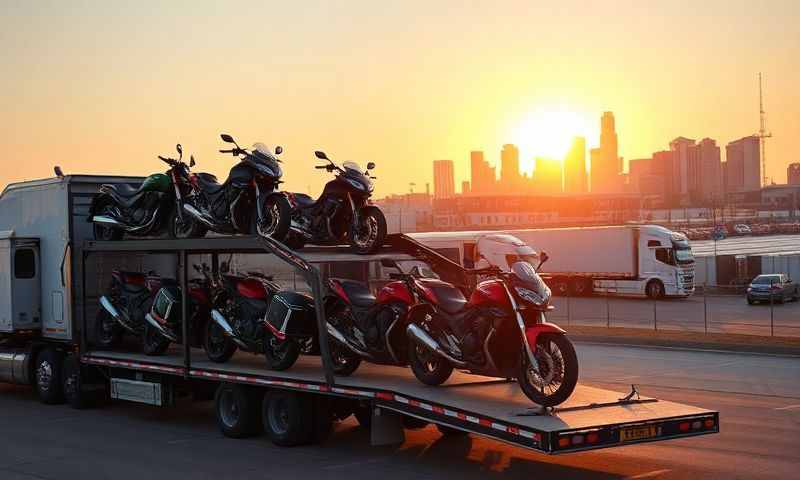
x=297 y=406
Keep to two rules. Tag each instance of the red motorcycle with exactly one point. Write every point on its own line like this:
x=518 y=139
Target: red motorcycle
x=501 y=331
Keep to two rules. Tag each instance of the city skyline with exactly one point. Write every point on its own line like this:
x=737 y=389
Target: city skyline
x=106 y=89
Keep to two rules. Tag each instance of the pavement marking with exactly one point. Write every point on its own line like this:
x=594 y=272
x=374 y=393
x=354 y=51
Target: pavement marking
x=789 y=407
x=652 y=474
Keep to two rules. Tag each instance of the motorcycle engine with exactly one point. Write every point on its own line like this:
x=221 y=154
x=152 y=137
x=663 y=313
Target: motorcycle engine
x=476 y=330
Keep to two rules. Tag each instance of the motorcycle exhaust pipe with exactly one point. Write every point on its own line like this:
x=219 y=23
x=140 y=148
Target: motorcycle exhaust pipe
x=421 y=336
x=337 y=335
x=107 y=220
x=198 y=214
x=220 y=320
x=160 y=328
x=109 y=307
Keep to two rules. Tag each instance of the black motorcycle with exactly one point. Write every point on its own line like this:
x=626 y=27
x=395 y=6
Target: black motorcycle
x=247 y=203
x=124 y=306
x=342 y=214
x=140 y=211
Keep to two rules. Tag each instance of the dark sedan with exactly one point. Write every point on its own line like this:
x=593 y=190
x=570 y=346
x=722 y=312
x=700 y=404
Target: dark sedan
x=773 y=287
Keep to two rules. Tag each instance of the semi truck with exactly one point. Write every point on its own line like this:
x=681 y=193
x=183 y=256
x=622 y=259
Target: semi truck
x=628 y=260
x=52 y=274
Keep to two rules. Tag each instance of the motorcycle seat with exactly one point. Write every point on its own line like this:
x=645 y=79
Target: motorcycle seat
x=124 y=194
x=302 y=200
x=448 y=298
x=358 y=293
x=209 y=183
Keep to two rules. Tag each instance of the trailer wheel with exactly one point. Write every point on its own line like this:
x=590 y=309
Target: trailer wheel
x=288 y=417
x=73 y=385
x=236 y=408
x=48 y=376
x=654 y=290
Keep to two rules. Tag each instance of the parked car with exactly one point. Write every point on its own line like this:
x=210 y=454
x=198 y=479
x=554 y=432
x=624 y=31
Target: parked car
x=743 y=229
x=772 y=287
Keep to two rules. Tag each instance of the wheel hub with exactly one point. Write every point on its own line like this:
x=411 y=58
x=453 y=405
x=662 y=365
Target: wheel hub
x=44 y=375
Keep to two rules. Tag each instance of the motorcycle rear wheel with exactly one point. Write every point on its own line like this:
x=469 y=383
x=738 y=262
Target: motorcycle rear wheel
x=427 y=366
x=219 y=348
x=371 y=233
x=280 y=355
x=277 y=213
x=345 y=362
x=558 y=371
x=186 y=227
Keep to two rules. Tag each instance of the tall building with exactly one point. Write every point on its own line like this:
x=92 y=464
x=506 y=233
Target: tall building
x=682 y=149
x=793 y=174
x=510 y=178
x=663 y=168
x=743 y=165
x=705 y=172
x=444 y=185
x=547 y=178
x=482 y=175
x=606 y=165
x=465 y=190
x=575 y=179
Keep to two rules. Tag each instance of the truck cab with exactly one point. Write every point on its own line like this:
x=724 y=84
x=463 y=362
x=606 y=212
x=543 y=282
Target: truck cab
x=666 y=263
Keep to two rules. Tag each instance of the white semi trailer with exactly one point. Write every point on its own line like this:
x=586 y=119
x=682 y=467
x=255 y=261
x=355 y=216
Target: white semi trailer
x=619 y=260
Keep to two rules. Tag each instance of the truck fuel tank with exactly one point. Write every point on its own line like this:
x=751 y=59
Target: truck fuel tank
x=14 y=367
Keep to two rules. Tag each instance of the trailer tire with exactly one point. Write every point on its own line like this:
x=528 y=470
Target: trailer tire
x=73 y=385
x=236 y=409
x=48 y=371
x=288 y=417
x=654 y=290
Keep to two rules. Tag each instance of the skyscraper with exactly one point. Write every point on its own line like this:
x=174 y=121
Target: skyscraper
x=482 y=175
x=605 y=160
x=510 y=178
x=793 y=174
x=705 y=171
x=682 y=149
x=575 y=180
x=743 y=165
x=444 y=185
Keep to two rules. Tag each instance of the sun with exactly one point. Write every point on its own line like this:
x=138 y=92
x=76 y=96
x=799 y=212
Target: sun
x=548 y=133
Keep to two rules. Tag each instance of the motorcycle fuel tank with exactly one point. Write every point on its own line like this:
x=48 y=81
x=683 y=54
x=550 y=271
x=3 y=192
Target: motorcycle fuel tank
x=490 y=293
x=396 y=291
x=250 y=288
x=157 y=182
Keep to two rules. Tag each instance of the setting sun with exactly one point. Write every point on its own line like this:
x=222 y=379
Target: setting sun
x=548 y=133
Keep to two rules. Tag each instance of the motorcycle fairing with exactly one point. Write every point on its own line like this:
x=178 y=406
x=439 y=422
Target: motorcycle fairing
x=532 y=332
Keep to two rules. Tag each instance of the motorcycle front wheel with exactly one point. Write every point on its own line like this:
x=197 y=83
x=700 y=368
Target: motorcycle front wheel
x=345 y=362
x=186 y=226
x=555 y=380
x=153 y=343
x=277 y=218
x=280 y=354
x=219 y=348
x=428 y=366
x=370 y=233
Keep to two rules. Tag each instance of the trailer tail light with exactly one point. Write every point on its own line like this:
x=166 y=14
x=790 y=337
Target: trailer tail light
x=709 y=423
x=592 y=437
x=563 y=442
x=684 y=427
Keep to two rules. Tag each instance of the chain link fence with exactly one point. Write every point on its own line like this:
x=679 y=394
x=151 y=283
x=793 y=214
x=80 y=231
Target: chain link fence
x=712 y=309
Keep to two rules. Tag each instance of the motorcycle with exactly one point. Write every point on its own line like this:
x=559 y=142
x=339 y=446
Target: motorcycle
x=341 y=214
x=140 y=211
x=164 y=322
x=247 y=203
x=501 y=331
x=123 y=308
x=360 y=325
x=239 y=312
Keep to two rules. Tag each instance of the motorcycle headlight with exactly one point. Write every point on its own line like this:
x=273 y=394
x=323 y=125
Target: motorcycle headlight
x=531 y=296
x=357 y=184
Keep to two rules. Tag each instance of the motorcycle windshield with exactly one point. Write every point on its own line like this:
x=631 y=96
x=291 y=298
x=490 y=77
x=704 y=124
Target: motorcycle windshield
x=525 y=276
x=353 y=171
x=265 y=161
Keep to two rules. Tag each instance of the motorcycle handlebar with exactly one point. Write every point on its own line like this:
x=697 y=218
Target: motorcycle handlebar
x=320 y=167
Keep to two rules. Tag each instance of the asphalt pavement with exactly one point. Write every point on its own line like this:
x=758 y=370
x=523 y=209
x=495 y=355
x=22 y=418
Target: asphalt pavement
x=758 y=398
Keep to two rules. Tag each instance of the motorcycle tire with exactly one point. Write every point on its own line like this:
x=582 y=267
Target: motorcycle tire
x=281 y=355
x=344 y=361
x=372 y=218
x=218 y=347
x=274 y=205
x=103 y=232
x=153 y=343
x=108 y=334
x=570 y=370
x=188 y=227
x=428 y=367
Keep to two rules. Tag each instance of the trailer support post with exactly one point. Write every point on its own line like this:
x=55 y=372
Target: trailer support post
x=187 y=352
x=386 y=428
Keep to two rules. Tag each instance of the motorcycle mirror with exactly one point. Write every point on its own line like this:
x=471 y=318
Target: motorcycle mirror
x=370 y=165
x=278 y=150
x=180 y=150
x=321 y=155
x=227 y=138
x=191 y=161
x=543 y=257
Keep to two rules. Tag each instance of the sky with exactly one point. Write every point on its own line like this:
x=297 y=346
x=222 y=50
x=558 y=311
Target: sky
x=105 y=87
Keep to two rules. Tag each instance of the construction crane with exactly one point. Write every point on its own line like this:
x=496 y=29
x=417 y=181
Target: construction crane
x=763 y=134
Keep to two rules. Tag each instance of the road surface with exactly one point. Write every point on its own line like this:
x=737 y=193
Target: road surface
x=720 y=313
x=758 y=397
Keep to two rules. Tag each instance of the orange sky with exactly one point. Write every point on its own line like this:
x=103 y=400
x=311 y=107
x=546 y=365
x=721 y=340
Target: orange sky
x=107 y=86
